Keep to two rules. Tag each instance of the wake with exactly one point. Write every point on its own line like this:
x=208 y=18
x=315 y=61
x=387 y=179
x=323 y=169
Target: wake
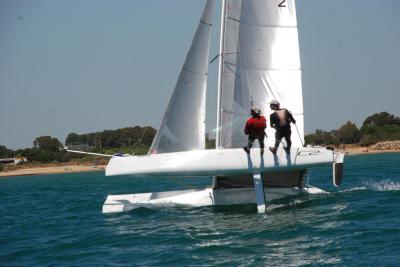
x=384 y=185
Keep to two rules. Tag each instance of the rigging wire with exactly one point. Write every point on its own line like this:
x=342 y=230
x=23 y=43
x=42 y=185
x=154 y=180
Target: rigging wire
x=140 y=140
x=298 y=133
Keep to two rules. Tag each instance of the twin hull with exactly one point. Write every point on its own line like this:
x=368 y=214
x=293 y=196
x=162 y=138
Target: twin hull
x=215 y=162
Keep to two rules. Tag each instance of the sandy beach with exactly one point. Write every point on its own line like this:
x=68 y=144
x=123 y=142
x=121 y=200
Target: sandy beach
x=382 y=147
x=52 y=170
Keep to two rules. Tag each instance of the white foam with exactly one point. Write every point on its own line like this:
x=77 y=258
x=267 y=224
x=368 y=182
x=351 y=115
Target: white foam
x=355 y=189
x=271 y=207
x=386 y=185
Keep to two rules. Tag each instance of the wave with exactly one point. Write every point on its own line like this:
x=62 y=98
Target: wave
x=354 y=189
x=372 y=185
x=386 y=185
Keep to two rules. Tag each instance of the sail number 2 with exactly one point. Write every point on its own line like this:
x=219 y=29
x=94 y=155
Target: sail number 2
x=282 y=4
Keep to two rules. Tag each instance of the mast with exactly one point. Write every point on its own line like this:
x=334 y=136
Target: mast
x=220 y=73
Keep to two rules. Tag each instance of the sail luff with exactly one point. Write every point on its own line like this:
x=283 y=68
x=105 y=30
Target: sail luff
x=183 y=124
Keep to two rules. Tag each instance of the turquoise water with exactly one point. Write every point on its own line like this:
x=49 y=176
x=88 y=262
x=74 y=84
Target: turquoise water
x=56 y=220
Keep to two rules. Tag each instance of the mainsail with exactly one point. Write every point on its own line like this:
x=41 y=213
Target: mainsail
x=260 y=62
x=183 y=125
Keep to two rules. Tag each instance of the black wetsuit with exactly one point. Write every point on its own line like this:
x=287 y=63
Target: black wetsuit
x=282 y=131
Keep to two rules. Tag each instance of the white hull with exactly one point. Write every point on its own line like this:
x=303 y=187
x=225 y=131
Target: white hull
x=198 y=198
x=214 y=162
x=226 y=162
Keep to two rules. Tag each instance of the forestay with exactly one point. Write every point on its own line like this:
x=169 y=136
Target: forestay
x=261 y=62
x=183 y=124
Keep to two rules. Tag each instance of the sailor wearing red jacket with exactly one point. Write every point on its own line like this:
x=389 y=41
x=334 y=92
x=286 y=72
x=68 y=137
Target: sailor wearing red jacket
x=255 y=129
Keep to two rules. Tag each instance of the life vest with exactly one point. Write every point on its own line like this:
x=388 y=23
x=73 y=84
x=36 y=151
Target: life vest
x=256 y=126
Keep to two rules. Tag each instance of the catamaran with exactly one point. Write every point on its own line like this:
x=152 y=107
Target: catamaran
x=259 y=61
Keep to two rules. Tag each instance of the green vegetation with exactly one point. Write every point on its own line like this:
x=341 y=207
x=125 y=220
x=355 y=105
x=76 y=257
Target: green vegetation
x=137 y=140
x=130 y=140
x=138 y=149
x=321 y=137
x=380 y=127
x=47 y=143
x=376 y=128
x=210 y=143
x=45 y=156
x=5 y=152
x=46 y=149
x=125 y=137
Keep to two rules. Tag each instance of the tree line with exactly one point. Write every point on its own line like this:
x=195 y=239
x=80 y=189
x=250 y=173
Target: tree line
x=375 y=128
x=125 y=137
x=47 y=149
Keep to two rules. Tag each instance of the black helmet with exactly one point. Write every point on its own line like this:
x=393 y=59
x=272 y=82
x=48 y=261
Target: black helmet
x=256 y=111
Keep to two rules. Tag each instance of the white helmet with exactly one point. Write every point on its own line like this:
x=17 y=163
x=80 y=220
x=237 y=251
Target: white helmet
x=274 y=103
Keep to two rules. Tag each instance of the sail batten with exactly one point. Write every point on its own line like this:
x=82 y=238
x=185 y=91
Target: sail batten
x=262 y=26
x=183 y=124
x=276 y=69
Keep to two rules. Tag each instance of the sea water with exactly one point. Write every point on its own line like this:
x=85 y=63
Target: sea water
x=56 y=220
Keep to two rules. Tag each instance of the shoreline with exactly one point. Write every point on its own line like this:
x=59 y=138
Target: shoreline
x=57 y=169
x=354 y=152
x=359 y=150
x=374 y=152
x=74 y=168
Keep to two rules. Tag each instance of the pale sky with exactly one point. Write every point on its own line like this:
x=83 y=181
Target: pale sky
x=85 y=66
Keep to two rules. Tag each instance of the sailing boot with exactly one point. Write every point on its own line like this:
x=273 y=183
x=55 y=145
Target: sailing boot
x=273 y=150
x=287 y=149
x=262 y=151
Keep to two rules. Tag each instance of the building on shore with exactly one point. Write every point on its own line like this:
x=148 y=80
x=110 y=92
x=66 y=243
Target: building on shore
x=14 y=161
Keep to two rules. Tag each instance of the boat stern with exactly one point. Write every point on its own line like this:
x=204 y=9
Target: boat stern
x=337 y=168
